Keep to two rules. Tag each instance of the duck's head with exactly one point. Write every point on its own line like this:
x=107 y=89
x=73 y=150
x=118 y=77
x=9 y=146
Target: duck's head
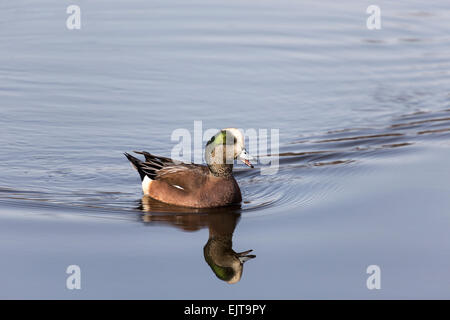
x=226 y=146
x=226 y=264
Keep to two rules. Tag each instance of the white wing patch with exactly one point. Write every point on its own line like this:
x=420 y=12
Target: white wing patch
x=176 y=186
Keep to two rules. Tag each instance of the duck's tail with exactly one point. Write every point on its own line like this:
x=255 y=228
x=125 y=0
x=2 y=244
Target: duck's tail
x=150 y=167
x=137 y=164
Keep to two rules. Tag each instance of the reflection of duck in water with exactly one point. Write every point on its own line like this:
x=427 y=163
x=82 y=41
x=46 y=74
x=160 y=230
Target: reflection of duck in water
x=223 y=260
x=226 y=264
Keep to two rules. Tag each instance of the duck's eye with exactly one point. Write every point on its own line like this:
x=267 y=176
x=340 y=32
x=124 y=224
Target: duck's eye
x=234 y=140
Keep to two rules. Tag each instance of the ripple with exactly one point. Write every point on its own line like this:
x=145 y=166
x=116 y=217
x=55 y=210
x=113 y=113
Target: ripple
x=307 y=173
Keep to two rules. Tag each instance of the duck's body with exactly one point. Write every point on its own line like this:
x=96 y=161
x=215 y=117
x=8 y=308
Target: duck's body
x=188 y=185
x=193 y=185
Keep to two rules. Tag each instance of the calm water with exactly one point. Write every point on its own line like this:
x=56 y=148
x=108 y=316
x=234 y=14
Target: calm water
x=364 y=121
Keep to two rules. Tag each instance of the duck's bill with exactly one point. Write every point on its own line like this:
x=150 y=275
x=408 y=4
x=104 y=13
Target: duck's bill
x=245 y=158
x=248 y=163
x=245 y=256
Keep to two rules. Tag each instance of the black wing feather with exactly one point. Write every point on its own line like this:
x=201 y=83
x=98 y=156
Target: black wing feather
x=151 y=166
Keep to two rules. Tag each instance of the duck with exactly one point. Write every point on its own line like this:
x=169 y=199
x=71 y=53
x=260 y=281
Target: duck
x=196 y=185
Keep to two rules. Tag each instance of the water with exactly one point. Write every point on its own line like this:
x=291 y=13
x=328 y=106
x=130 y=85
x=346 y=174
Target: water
x=364 y=122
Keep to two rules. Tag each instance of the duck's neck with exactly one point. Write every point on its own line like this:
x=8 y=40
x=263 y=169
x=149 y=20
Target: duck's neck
x=221 y=170
x=218 y=164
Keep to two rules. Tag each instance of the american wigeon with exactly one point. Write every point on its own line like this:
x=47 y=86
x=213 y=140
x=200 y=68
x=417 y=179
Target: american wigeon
x=195 y=185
